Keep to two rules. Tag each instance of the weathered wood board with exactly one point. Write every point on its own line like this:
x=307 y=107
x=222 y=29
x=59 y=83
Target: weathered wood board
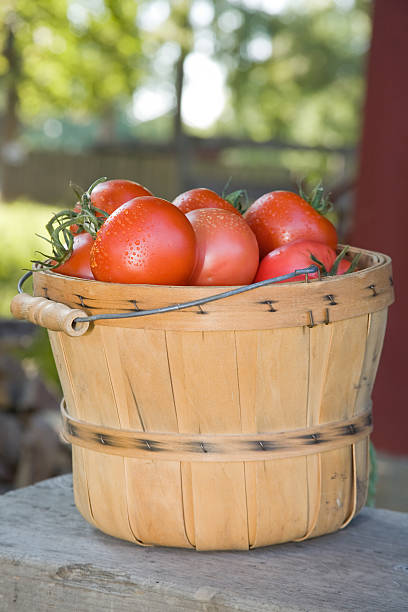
x=52 y=559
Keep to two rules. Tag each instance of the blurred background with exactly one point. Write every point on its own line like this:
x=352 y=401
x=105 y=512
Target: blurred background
x=175 y=94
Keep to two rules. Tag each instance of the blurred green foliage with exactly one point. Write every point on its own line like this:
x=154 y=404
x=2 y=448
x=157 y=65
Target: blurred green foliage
x=19 y=223
x=310 y=88
x=291 y=165
x=294 y=73
x=72 y=57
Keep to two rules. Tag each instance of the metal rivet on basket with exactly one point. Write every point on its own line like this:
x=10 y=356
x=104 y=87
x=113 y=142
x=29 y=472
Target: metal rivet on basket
x=134 y=302
x=391 y=281
x=147 y=444
x=102 y=439
x=373 y=289
x=270 y=304
x=331 y=299
x=261 y=445
x=311 y=319
x=81 y=300
x=203 y=448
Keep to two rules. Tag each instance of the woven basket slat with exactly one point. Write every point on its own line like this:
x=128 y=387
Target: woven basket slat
x=206 y=392
x=377 y=322
x=342 y=366
x=278 y=375
x=78 y=454
x=139 y=371
x=104 y=477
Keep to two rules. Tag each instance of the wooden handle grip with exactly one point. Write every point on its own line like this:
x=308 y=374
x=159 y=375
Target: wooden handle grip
x=49 y=314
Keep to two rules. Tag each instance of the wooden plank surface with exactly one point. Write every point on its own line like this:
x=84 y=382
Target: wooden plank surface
x=51 y=559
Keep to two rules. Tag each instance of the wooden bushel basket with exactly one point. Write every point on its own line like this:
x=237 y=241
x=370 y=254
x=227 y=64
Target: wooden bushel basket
x=238 y=424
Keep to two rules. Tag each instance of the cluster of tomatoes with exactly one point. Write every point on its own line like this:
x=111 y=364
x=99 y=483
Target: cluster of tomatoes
x=198 y=239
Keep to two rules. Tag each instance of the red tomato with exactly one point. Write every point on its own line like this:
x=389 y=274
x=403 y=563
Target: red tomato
x=280 y=217
x=295 y=256
x=79 y=262
x=109 y=195
x=344 y=265
x=202 y=198
x=146 y=240
x=227 y=251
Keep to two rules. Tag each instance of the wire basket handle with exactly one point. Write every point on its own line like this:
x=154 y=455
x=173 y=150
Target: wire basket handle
x=75 y=322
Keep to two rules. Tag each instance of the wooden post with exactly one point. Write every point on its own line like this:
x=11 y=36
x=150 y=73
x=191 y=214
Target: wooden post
x=381 y=219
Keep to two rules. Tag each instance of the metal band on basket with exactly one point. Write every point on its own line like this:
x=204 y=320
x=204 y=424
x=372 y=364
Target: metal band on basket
x=215 y=447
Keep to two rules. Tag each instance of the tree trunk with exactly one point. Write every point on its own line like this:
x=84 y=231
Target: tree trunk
x=180 y=140
x=11 y=126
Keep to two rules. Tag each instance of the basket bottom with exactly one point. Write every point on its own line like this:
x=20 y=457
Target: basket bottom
x=221 y=506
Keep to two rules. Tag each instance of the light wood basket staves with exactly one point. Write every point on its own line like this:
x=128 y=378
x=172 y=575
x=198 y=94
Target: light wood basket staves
x=234 y=425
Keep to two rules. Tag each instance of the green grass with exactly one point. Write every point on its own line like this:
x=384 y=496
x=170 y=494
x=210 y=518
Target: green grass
x=19 y=223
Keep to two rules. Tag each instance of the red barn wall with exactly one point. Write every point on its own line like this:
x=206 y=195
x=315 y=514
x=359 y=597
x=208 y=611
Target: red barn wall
x=381 y=219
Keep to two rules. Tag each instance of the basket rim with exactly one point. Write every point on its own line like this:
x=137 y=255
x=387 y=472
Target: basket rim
x=381 y=259
x=283 y=304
